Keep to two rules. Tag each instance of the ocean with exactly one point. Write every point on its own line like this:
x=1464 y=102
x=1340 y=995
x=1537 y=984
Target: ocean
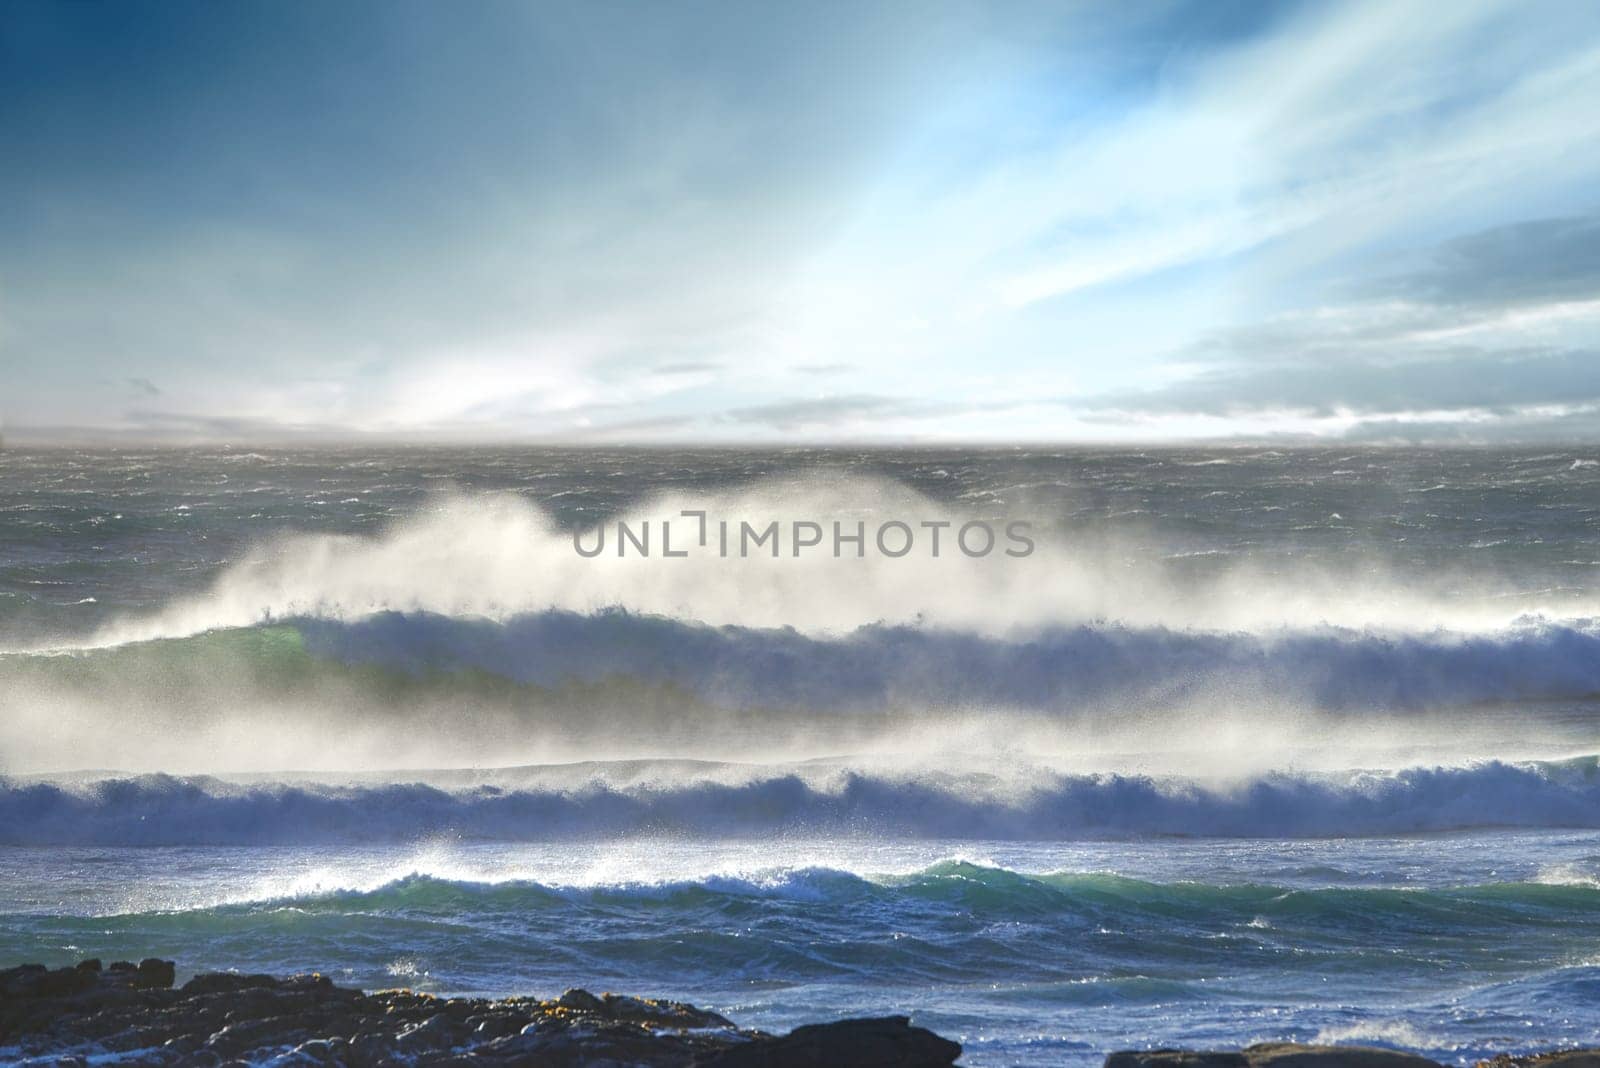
x=1250 y=744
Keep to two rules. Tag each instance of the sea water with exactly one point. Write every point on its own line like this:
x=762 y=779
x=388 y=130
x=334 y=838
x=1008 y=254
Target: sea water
x=1257 y=744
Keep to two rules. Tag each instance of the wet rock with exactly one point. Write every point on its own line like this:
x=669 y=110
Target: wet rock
x=37 y=981
x=1177 y=1058
x=131 y=1011
x=886 y=1042
x=155 y=974
x=317 y=1051
x=227 y=983
x=580 y=1001
x=438 y=1031
x=131 y=1014
x=653 y=1013
x=486 y=1027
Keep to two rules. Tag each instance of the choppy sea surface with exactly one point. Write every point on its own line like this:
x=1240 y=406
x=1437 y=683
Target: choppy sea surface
x=1254 y=744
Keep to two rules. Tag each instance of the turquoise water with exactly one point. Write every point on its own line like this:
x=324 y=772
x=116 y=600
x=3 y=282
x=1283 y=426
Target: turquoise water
x=1460 y=945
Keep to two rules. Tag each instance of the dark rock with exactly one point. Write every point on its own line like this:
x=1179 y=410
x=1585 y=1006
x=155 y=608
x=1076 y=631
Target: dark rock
x=886 y=1042
x=580 y=1001
x=246 y=1035
x=37 y=981
x=227 y=1018
x=1176 y=1058
x=489 y=1026
x=227 y=983
x=155 y=974
x=67 y=1015
x=653 y=1013
x=21 y=982
x=317 y=1051
x=203 y=1059
x=436 y=1032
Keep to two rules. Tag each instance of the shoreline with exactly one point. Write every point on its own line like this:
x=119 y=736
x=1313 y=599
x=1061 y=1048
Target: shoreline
x=134 y=1014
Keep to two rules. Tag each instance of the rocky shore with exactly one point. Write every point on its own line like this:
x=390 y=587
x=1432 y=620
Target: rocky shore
x=134 y=1014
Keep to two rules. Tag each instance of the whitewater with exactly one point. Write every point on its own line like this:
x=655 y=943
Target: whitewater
x=1257 y=744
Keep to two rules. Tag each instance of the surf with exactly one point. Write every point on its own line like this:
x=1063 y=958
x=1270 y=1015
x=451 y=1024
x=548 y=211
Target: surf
x=741 y=801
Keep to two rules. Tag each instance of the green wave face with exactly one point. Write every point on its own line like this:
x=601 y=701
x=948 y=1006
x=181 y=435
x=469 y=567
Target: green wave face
x=1136 y=939
x=952 y=886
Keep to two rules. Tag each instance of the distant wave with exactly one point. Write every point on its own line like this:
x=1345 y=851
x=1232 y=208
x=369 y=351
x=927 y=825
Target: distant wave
x=1050 y=669
x=498 y=557
x=160 y=809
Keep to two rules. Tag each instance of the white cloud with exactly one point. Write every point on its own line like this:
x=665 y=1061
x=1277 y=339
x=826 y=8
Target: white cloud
x=980 y=221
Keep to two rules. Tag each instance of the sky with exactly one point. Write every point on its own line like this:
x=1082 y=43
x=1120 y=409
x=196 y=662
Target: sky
x=300 y=220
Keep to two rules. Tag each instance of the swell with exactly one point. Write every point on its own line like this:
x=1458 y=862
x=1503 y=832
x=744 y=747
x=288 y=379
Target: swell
x=1049 y=667
x=168 y=810
x=878 y=666
x=951 y=885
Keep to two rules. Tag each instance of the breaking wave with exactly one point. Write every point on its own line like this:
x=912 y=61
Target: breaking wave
x=1052 y=668
x=998 y=892
x=498 y=557
x=474 y=634
x=162 y=809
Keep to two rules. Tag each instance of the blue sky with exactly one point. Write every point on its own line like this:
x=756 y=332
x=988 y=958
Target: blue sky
x=841 y=221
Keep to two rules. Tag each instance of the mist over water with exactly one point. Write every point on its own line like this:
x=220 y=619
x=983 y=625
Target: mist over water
x=422 y=609
x=392 y=673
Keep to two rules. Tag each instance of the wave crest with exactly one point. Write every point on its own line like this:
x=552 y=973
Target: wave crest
x=163 y=809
